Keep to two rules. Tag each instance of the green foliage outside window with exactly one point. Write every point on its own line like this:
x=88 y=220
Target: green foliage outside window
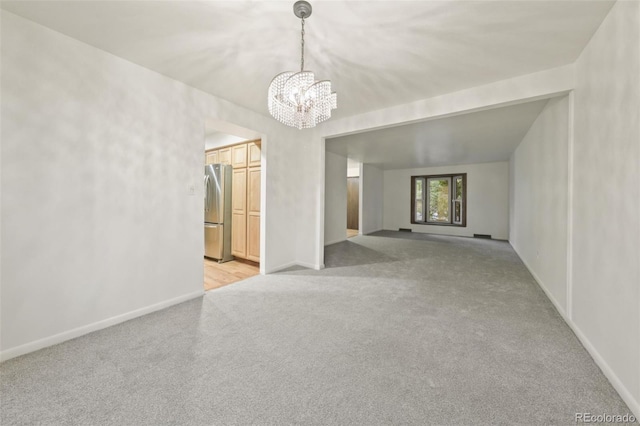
x=439 y=199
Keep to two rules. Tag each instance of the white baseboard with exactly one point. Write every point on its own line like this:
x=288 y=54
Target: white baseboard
x=290 y=264
x=617 y=384
x=89 y=328
x=311 y=265
x=615 y=381
x=280 y=267
x=561 y=309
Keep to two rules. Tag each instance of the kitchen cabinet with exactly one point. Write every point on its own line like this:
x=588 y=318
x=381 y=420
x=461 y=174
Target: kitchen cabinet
x=253 y=214
x=254 y=154
x=211 y=157
x=224 y=156
x=239 y=156
x=239 y=213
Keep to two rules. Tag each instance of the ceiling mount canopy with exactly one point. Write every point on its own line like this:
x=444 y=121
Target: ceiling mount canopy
x=302 y=9
x=296 y=98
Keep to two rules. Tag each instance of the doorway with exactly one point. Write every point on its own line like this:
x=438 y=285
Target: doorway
x=239 y=155
x=353 y=198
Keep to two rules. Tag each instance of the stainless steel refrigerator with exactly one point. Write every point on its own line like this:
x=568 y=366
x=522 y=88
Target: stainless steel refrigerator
x=217 y=212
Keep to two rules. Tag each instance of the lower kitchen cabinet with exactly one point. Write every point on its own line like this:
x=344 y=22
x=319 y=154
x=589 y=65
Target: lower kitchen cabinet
x=253 y=213
x=253 y=238
x=239 y=213
x=239 y=235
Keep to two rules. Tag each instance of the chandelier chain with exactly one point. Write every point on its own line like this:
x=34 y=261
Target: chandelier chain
x=302 y=45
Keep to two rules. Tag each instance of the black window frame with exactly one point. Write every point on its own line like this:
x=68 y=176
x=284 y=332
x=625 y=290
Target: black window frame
x=425 y=207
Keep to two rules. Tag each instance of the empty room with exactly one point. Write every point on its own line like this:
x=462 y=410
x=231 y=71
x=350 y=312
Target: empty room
x=415 y=212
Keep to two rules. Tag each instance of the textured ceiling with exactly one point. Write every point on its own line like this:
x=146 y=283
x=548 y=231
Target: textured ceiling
x=478 y=137
x=376 y=53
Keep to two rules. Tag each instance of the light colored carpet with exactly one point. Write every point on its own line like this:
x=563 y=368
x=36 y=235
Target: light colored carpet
x=398 y=329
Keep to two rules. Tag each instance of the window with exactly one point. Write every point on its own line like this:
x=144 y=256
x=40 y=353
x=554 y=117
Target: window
x=439 y=199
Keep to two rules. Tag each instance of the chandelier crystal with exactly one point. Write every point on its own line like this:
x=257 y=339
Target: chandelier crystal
x=296 y=98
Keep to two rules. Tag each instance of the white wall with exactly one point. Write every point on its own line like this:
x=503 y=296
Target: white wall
x=538 y=199
x=307 y=187
x=353 y=168
x=97 y=158
x=371 y=199
x=598 y=155
x=335 y=205
x=606 y=196
x=487 y=200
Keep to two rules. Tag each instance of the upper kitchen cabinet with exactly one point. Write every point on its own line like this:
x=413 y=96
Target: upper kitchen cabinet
x=242 y=155
x=254 y=154
x=211 y=157
x=239 y=156
x=224 y=156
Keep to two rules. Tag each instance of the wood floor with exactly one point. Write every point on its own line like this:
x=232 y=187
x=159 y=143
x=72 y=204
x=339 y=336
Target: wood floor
x=352 y=233
x=217 y=274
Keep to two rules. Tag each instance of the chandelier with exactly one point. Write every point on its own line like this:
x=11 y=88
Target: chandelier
x=295 y=98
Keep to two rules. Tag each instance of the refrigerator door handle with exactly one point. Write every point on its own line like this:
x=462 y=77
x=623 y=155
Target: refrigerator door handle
x=206 y=193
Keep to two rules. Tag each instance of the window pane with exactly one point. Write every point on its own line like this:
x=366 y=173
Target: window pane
x=419 y=189
x=457 y=212
x=439 y=200
x=458 y=188
x=419 y=211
